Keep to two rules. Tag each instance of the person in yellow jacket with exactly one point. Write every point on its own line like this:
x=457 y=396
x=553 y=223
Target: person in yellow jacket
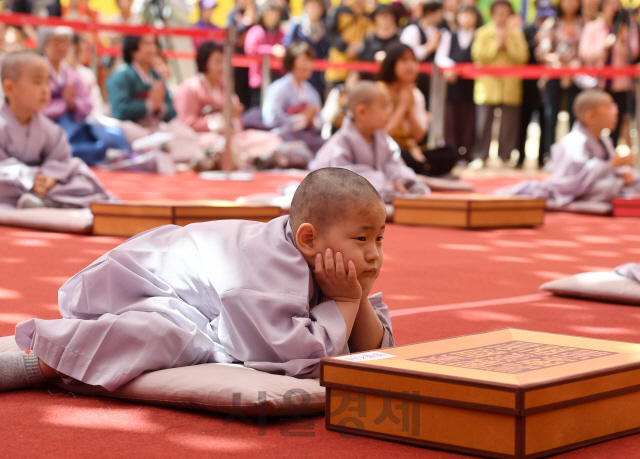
x=348 y=24
x=499 y=43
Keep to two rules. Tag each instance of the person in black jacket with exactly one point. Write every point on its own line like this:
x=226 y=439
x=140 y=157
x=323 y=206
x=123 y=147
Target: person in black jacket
x=532 y=99
x=384 y=34
x=460 y=114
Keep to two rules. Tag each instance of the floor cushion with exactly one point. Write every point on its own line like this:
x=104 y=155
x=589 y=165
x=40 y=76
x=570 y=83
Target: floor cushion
x=49 y=219
x=268 y=199
x=606 y=286
x=216 y=387
x=441 y=184
x=582 y=207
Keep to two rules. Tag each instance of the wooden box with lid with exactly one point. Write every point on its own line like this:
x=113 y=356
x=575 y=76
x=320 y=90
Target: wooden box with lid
x=131 y=218
x=469 y=210
x=502 y=394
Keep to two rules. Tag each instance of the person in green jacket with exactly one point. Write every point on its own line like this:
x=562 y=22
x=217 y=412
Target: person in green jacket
x=139 y=94
x=136 y=92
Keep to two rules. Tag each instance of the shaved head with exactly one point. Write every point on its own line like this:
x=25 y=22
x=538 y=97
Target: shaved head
x=588 y=100
x=363 y=93
x=327 y=195
x=13 y=64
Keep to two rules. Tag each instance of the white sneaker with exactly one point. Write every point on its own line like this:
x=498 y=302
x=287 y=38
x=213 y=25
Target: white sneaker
x=29 y=201
x=476 y=164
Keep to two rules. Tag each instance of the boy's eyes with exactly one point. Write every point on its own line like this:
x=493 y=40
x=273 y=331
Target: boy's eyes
x=364 y=239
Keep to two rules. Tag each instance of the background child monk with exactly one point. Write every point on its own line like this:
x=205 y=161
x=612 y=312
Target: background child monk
x=362 y=145
x=585 y=165
x=274 y=296
x=36 y=166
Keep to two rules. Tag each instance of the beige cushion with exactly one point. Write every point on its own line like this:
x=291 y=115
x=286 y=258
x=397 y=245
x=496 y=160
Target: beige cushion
x=268 y=199
x=441 y=184
x=48 y=219
x=601 y=286
x=582 y=207
x=212 y=387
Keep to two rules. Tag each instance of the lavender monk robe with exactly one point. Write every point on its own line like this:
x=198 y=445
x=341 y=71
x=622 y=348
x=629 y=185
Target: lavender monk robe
x=222 y=291
x=580 y=172
x=630 y=270
x=379 y=162
x=41 y=147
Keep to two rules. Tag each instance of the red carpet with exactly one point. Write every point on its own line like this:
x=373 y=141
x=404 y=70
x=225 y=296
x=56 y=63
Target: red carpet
x=438 y=283
x=188 y=185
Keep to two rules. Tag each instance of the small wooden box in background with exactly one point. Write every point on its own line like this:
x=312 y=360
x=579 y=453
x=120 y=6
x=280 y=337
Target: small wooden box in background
x=626 y=207
x=469 y=211
x=501 y=394
x=131 y=218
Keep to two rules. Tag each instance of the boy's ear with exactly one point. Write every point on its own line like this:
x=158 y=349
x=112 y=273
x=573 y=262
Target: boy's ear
x=305 y=239
x=359 y=110
x=7 y=86
x=587 y=117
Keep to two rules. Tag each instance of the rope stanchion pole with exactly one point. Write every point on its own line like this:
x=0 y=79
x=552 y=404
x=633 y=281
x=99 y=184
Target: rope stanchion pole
x=636 y=146
x=437 y=100
x=266 y=76
x=229 y=45
x=94 y=59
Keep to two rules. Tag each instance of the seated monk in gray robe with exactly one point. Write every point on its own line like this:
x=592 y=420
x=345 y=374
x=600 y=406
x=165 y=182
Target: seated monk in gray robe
x=585 y=165
x=362 y=146
x=36 y=165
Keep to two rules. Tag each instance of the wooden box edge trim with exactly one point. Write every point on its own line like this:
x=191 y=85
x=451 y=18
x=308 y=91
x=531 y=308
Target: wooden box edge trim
x=520 y=440
x=520 y=391
x=582 y=444
x=470 y=208
x=426 y=399
x=418 y=442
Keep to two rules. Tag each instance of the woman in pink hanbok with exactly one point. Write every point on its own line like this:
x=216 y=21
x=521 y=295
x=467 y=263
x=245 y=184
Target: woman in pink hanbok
x=199 y=103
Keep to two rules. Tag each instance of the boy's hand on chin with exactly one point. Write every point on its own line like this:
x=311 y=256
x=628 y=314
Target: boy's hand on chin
x=337 y=281
x=366 y=289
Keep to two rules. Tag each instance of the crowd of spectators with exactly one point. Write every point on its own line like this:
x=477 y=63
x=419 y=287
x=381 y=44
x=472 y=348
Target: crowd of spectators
x=131 y=93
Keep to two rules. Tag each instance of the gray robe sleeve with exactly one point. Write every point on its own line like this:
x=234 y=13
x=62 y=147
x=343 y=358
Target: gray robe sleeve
x=57 y=154
x=382 y=311
x=576 y=179
x=397 y=171
x=278 y=335
x=630 y=270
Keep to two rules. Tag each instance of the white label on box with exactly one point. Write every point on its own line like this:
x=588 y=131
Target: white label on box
x=374 y=355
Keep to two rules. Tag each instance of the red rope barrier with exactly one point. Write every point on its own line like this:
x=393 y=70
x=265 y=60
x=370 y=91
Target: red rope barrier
x=19 y=19
x=468 y=71
x=534 y=72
